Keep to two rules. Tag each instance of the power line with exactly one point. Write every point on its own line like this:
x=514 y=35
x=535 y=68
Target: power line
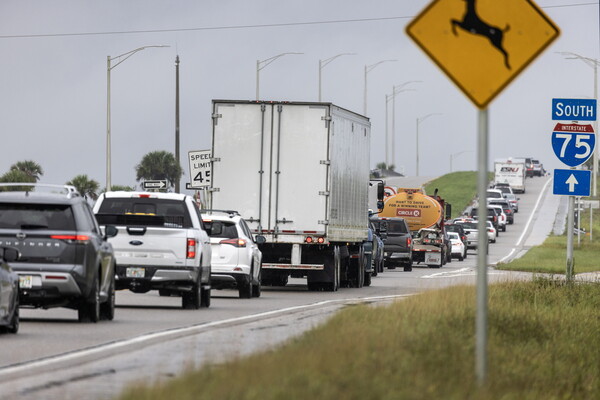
x=232 y=27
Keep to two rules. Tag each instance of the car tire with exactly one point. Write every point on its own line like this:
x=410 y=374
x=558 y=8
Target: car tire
x=408 y=266
x=107 y=309
x=13 y=327
x=191 y=300
x=89 y=309
x=367 y=280
x=504 y=228
x=256 y=287
x=245 y=289
x=460 y=257
x=465 y=255
x=205 y=298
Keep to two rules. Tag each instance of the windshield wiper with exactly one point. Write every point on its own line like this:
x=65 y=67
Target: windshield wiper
x=34 y=226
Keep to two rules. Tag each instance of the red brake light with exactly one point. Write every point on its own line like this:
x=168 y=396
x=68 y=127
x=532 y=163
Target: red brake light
x=191 y=248
x=321 y=240
x=308 y=239
x=408 y=241
x=144 y=196
x=77 y=238
x=234 y=242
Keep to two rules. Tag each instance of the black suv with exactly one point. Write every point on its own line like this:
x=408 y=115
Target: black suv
x=65 y=259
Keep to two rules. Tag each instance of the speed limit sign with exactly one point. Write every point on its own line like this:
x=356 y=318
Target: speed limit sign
x=200 y=166
x=573 y=144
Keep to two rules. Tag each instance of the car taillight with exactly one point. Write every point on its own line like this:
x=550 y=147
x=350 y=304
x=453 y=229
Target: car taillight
x=191 y=248
x=234 y=242
x=490 y=230
x=73 y=238
x=408 y=241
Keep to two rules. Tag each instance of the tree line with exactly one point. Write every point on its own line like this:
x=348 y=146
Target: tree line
x=156 y=165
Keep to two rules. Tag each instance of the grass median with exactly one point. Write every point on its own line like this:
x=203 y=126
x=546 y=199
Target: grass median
x=456 y=188
x=543 y=344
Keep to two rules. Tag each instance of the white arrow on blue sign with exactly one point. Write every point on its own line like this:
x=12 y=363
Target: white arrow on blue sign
x=574 y=109
x=573 y=144
x=572 y=182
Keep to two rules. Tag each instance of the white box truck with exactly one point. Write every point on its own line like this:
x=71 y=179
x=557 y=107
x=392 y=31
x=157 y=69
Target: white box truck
x=511 y=171
x=299 y=175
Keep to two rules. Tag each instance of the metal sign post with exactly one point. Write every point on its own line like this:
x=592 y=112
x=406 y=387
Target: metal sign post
x=467 y=43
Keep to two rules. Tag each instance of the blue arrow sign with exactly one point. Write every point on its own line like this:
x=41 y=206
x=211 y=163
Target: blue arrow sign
x=572 y=182
x=573 y=144
x=574 y=109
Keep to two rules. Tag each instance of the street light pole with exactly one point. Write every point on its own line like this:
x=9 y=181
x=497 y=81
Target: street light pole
x=419 y=120
x=323 y=63
x=110 y=67
x=592 y=62
x=395 y=91
x=369 y=68
x=452 y=156
x=260 y=64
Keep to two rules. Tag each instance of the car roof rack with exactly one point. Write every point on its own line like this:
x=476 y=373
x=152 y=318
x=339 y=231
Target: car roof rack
x=232 y=213
x=69 y=190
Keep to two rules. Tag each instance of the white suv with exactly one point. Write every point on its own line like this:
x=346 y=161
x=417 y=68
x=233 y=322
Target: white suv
x=236 y=259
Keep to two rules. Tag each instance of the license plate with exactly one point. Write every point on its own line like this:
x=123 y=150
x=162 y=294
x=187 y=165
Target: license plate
x=25 y=281
x=433 y=258
x=135 y=272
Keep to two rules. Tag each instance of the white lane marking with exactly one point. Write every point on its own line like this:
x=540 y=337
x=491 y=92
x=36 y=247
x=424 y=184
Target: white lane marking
x=445 y=273
x=537 y=203
x=106 y=350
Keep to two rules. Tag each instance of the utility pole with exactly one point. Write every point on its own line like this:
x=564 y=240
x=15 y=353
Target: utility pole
x=177 y=119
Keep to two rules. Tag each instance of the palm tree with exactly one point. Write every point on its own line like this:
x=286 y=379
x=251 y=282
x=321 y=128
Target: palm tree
x=160 y=165
x=16 y=176
x=383 y=165
x=30 y=168
x=124 y=188
x=85 y=186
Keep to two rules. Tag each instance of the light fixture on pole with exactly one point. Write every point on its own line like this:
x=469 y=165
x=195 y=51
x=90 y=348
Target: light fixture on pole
x=453 y=156
x=592 y=62
x=396 y=90
x=369 y=68
x=323 y=63
x=260 y=64
x=419 y=120
x=110 y=67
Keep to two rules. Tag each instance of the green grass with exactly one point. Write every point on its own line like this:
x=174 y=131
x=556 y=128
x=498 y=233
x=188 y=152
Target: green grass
x=551 y=256
x=543 y=343
x=456 y=188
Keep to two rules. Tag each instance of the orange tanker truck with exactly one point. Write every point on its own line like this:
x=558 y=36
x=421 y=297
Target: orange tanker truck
x=425 y=217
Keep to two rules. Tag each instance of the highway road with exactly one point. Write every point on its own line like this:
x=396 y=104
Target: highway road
x=54 y=356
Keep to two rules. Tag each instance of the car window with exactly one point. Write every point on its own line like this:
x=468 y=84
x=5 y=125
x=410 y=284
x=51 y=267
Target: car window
x=145 y=211
x=222 y=229
x=397 y=227
x=37 y=216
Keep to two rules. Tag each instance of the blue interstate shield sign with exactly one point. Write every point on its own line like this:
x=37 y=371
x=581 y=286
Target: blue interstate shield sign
x=573 y=144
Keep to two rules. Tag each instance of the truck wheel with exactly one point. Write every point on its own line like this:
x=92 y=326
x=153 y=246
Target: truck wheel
x=191 y=300
x=336 y=261
x=107 y=309
x=89 y=309
x=205 y=298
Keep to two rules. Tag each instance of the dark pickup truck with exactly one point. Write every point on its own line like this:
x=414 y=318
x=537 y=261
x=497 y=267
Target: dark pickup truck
x=491 y=216
x=397 y=245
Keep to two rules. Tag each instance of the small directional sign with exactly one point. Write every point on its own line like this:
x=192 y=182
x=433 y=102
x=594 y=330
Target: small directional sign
x=574 y=109
x=573 y=144
x=572 y=182
x=158 y=184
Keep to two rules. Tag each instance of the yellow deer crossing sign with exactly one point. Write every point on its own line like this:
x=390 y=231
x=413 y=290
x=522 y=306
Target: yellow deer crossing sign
x=482 y=45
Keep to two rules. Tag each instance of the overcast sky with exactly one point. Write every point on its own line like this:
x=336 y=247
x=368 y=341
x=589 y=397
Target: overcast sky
x=54 y=81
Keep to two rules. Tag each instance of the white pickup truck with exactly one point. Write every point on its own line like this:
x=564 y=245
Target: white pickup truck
x=161 y=244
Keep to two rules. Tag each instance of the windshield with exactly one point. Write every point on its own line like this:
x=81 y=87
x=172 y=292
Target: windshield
x=144 y=211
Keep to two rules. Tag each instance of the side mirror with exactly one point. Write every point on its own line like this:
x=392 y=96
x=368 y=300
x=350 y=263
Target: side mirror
x=110 y=231
x=10 y=254
x=383 y=228
x=467 y=233
x=260 y=239
x=448 y=210
x=380 y=205
x=380 y=191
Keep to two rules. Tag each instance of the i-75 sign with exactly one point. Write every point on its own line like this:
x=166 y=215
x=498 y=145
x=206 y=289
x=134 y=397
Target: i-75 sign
x=200 y=166
x=573 y=144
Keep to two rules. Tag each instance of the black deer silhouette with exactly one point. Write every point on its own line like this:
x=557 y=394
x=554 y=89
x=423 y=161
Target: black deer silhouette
x=475 y=25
